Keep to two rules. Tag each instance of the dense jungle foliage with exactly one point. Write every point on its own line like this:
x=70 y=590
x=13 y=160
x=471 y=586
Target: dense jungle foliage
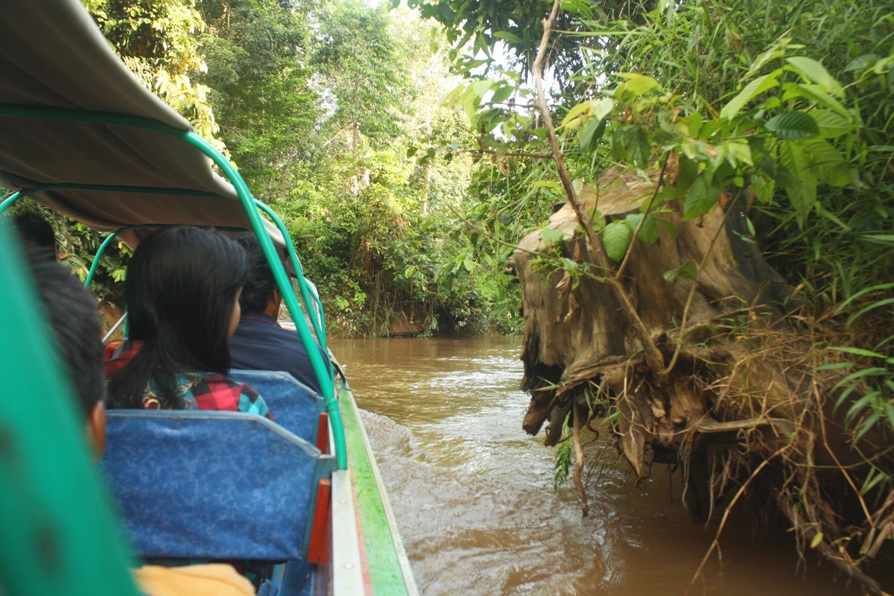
x=406 y=158
x=330 y=111
x=782 y=109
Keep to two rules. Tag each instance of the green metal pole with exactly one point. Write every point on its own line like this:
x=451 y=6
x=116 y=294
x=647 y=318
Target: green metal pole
x=309 y=301
x=56 y=520
x=316 y=359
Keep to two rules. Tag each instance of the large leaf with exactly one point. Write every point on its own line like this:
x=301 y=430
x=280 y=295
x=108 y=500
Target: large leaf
x=801 y=188
x=616 y=237
x=815 y=72
x=827 y=163
x=510 y=37
x=817 y=94
x=775 y=51
x=597 y=109
x=687 y=270
x=575 y=113
x=636 y=143
x=502 y=94
x=590 y=135
x=794 y=125
x=649 y=232
x=831 y=124
x=751 y=90
x=638 y=84
x=551 y=236
x=602 y=107
x=703 y=194
x=763 y=187
x=735 y=153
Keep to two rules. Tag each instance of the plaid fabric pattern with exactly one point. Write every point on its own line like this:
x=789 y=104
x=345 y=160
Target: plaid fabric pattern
x=202 y=391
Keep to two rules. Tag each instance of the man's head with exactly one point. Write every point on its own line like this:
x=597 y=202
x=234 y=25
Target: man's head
x=37 y=232
x=260 y=293
x=74 y=325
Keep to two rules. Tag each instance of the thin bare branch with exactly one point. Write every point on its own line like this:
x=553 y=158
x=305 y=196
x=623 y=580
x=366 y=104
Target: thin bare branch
x=654 y=357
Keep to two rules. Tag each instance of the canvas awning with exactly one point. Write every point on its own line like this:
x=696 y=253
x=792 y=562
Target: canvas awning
x=53 y=55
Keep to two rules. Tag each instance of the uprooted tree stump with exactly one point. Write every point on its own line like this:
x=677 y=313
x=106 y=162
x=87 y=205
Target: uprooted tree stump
x=743 y=410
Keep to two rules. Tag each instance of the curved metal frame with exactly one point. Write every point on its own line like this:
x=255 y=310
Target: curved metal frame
x=321 y=369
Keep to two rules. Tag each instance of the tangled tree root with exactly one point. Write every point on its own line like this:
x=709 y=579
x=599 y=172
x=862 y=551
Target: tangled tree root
x=746 y=407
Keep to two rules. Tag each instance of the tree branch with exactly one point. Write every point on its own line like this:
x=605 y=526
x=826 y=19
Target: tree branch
x=654 y=357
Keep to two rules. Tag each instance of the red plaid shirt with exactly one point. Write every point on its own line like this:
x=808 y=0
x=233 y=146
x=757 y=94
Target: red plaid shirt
x=202 y=391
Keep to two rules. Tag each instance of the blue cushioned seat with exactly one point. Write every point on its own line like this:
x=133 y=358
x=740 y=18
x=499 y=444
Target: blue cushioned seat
x=294 y=405
x=212 y=485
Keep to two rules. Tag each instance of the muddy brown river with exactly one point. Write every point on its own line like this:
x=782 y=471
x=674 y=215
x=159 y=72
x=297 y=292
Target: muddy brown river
x=473 y=494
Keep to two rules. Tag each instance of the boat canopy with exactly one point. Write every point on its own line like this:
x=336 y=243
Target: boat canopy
x=54 y=59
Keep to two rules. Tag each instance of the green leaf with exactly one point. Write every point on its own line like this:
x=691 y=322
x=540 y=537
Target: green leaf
x=616 y=237
x=636 y=143
x=649 y=232
x=878 y=238
x=736 y=153
x=702 y=195
x=470 y=102
x=815 y=72
x=861 y=62
x=751 y=90
x=763 y=187
x=450 y=98
x=687 y=270
x=550 y=236
x=831 y=124
x=694 y=122
x=873 y=478
x=794 y=125
x=771 y=54
x=602 y=107
x=816 y=94
x=857 y=351
x=575 y=112
x=638 y=84
x=866 y=309
x=590 y=135
x=502 y=94
x=597 y=109
x=512 y=37
x=828 y=164
x=817 y=538
x=479 y=88
x=863 y=292
x=801 y=188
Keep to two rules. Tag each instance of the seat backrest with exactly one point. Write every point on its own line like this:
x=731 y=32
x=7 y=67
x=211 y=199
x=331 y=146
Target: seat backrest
x=212 y=485
x=294 y=405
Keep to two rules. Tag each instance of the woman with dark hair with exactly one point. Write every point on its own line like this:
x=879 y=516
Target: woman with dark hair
x=182 y=293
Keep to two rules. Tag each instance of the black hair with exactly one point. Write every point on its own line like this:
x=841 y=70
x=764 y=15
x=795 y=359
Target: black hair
x=261 y=283
x=71 y=316
x=180 y=292
x=37 y=233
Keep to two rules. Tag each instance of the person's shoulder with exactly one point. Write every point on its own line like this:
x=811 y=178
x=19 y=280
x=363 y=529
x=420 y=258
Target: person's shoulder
x=216 y=382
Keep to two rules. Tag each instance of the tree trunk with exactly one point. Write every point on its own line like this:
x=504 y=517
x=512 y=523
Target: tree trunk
x=743 y=389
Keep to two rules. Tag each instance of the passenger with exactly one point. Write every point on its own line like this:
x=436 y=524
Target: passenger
x=182 y=294
x=74 y=325
x=37 y=233
x=259 y=342
x=70 y=313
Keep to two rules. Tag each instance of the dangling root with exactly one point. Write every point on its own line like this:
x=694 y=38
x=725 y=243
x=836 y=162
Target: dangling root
x=579 y=463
